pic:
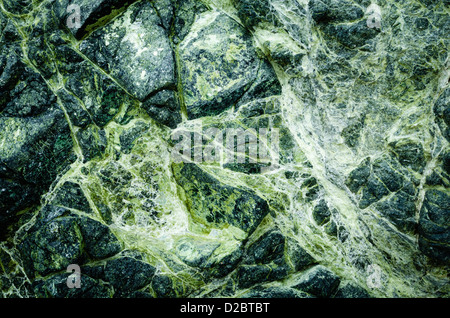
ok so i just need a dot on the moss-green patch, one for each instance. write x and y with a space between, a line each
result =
216 205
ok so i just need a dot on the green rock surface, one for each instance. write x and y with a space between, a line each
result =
146 58
217 205
314 137
219 65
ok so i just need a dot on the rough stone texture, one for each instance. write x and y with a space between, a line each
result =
164 108
275 292
217 205
61 238
434 225
271 258
219 65
34 151
318 281
128 274
56 287
92 13
442 113
251 13
146 58
347 195
97 97
350 290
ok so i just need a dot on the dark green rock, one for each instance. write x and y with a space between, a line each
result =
52 246
352 133
225 265
311 188
163 287
442 112
8 32
30 97
249 275
446 162
92 14
215 75
350 290
373 191
99 241
286 58
422 23
321 213
269 247
265 85
267 259
434 179
248 168
216 204
85 119
56 287
334 11
88 89
141 64
342 233
14 197
433 228
186 12
400 209
318 281
298 256
59 238
35 150
94 271
164 108
410 155
352 35
70 195
92 141
253 13
275 292
331 228
11 69
73 106
383 170
105 212
358 177
127 274
39 53
128 137
259 107
43 146
438 204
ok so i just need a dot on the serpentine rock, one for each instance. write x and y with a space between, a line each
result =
224 148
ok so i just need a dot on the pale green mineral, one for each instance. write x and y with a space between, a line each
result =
225 148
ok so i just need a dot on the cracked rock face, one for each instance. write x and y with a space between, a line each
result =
225 148
146 59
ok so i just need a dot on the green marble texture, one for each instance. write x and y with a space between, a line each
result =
348 196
